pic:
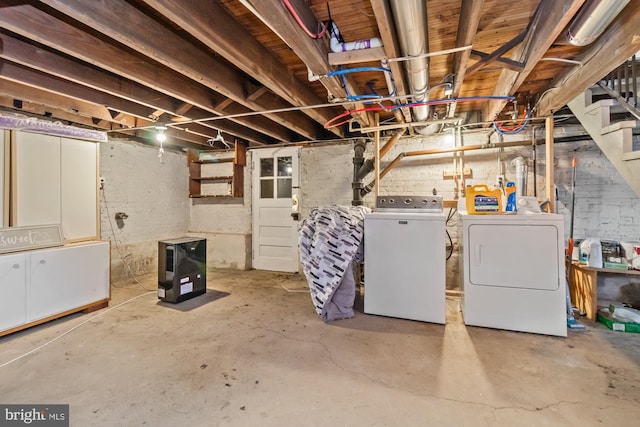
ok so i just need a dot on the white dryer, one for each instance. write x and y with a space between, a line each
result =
514 275
404 251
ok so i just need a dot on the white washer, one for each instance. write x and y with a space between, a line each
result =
404 268
514 276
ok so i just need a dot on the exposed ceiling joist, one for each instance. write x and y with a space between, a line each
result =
210 23
550 19
25 92
129 26
470 13
620 41
313 52
241 67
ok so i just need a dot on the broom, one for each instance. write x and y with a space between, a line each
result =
572 323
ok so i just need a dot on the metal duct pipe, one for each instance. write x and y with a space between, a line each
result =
521 176
411 21
594 17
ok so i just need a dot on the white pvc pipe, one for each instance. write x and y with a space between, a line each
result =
336 46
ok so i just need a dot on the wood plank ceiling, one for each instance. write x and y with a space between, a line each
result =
247 68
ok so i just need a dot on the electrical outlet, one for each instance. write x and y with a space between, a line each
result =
101 182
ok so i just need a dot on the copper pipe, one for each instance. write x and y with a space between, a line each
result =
400 156
391 142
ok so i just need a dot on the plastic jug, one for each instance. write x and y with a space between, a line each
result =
482 200
591 252
511 197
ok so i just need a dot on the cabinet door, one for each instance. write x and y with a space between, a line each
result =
66 278
13 308
4 139
79 188
37 186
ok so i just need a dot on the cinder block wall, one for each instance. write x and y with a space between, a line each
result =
152 192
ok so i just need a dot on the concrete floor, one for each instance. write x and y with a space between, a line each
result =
250 353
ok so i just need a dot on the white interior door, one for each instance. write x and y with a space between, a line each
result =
275 181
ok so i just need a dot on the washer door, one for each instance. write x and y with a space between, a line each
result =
514 256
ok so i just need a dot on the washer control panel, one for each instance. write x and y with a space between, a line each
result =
416 203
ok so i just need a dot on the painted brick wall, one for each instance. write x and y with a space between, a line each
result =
326 172
605 205
225 223
152 193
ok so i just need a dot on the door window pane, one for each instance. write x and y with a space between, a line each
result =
266 189
284 166
266 167
284 188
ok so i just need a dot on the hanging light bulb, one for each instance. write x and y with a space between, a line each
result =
160 135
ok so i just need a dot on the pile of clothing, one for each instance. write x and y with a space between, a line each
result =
330 240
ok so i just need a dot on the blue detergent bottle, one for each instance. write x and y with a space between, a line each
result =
511 197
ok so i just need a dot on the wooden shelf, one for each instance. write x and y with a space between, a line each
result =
583 286
214 161
211 196
212 178
236 180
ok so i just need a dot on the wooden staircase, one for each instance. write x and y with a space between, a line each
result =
615 138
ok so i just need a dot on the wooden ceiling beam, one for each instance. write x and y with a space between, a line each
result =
60 66
21 106
386 25
126 24
26 92
209 22
32 23
617 44
314 53
549 20
496 54
75 94
507 63
357 56
470 14
21 74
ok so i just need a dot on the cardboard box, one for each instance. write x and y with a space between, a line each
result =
617 325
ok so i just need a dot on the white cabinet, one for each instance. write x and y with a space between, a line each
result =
44 284
13 302
56 183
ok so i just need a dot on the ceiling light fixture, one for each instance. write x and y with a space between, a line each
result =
161 137
219 138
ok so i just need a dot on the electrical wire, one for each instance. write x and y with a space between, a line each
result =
357 70
452 212
371 96
295 15
331 123
502 129
115 240
72 329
